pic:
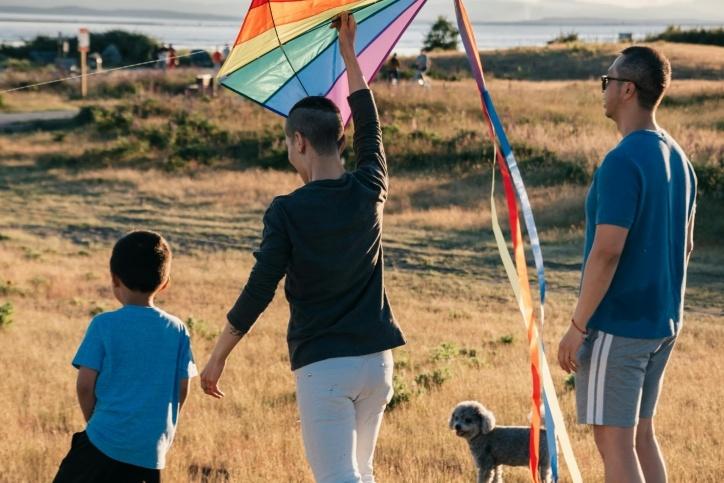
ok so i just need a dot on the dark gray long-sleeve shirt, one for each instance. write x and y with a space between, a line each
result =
326 238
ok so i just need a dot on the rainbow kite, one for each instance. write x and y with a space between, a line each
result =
286 49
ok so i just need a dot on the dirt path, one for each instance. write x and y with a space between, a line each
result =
19 120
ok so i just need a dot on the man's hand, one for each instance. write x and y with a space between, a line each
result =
347 28
568 349
210 377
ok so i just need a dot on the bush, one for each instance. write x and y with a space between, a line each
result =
562 38
431 380
569 383
96 310
710 180
444 352
6 314
673 33
401 394
199 328
506 339
442 36
8 288
133 47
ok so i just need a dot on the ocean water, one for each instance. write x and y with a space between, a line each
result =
207 34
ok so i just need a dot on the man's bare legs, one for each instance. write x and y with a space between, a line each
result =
649 453
618 451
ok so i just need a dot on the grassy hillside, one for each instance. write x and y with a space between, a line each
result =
202 170
579 61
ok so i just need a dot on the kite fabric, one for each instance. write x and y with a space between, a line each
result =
286 49
517 272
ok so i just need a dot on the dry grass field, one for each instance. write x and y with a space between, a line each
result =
58 221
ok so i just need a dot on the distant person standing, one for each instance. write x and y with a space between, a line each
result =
226 52
394 66
639 236
171 60
216 58
162 57
422 65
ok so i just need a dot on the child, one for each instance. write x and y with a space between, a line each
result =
134 366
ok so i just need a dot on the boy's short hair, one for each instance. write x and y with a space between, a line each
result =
141 260
317 119
651 71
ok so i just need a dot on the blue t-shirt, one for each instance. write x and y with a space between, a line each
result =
141 354
645 184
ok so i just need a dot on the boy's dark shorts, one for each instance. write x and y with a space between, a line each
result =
86 464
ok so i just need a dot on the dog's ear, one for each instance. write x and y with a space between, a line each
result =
488 421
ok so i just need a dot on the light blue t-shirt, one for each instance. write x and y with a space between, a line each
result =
645 184
141 354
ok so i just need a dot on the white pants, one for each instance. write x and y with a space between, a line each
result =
341 404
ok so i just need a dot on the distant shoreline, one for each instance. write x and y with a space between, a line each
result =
212 32
140 14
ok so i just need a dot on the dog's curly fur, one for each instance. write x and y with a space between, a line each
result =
496 446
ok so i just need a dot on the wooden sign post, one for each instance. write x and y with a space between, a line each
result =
83 48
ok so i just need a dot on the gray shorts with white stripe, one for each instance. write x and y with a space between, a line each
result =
619 379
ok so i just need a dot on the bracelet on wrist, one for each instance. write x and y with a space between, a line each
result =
573 322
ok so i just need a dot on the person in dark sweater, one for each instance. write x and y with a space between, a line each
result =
326 238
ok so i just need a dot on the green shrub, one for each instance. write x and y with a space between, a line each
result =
562 38
430 380
710 180
444 352
506 339
673 33
199 328
569 383
442 36
115 90
133 47
8 288
401 394
96 310
6 314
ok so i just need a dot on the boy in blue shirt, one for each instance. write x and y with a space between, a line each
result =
134 366
639 236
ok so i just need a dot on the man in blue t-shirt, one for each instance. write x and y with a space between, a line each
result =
639 235
134 366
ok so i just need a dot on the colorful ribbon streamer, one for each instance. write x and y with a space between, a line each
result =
517 272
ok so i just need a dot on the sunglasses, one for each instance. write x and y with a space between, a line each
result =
605 79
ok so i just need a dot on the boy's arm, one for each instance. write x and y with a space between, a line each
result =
367 130
86 389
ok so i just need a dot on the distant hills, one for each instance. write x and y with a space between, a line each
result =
701 12
132 13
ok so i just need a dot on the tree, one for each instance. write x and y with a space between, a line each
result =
442 36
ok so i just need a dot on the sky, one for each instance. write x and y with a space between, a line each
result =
480 10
